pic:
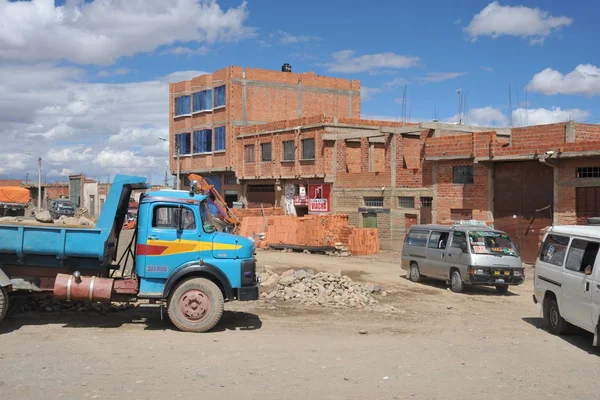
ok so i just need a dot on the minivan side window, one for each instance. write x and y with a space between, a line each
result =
554 249
581 255
438 240
417 238
459 240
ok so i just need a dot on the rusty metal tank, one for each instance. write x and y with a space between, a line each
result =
83 288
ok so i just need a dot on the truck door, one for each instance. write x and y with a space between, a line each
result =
171 239
577 285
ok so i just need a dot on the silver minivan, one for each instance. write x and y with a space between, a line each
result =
462 255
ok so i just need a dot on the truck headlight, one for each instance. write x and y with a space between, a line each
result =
517 272
479 271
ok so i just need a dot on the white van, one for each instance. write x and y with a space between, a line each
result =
567 279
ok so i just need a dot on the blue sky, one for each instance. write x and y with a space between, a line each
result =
88 91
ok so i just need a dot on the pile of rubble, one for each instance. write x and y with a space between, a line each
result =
82 212
321 289
49 304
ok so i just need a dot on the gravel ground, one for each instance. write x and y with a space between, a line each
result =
439 346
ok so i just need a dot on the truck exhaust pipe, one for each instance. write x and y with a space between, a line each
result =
83 288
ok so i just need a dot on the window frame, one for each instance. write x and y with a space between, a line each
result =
587 172
205 136
262 152
545 245
283 153
189 106
174 227
188 143
220 131
205 100
426 202
224 95
411 200
304 142
581 268
411 231
247 152
469 177
373 201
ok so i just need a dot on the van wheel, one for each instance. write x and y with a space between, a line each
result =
414 274
456 283
3 302
502 289
556 323
196 305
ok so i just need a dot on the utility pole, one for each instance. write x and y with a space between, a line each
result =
166 179
39 180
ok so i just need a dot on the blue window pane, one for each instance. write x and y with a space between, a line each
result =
220 138
219 96
203 141
182 105
202 100
183 141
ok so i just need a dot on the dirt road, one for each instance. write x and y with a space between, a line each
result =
439 346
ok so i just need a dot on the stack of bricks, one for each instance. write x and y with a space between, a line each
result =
241 213
316 231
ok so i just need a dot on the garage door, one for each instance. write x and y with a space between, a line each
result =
588 203
261 194
523 198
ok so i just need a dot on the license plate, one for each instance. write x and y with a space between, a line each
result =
500 280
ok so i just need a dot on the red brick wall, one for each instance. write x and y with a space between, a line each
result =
458 196
363 179
446 146
567 187
353 157
538 137
587 132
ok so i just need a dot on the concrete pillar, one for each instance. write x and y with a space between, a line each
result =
570 132
490 197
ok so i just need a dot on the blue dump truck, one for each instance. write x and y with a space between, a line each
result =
180 259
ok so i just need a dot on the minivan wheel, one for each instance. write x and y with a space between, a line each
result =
502 289
415 274
556 323
456 283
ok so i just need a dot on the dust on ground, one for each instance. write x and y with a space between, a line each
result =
441 345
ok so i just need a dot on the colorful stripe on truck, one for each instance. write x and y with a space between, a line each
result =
167 248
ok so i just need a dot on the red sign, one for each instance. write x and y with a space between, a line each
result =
318 198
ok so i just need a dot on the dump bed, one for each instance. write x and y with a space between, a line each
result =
49 245
14 195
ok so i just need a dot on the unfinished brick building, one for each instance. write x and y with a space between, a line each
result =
205 110
297 141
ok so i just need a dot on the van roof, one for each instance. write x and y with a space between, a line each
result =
453 227
577 230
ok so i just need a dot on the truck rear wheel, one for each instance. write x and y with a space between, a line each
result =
3 302
196 305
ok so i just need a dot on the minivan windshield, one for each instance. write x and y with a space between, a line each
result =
491 242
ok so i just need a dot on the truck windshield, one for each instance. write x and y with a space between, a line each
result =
207 217
490 242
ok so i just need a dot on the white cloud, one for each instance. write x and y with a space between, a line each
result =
179 76
101 31
396 82
496 20
286 38
345 61
441 76
487 69
118 71
584 80
184 50
539 116
366 93
494 117
78 126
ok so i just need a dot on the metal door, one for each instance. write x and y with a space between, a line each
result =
523 200
588 203
369 220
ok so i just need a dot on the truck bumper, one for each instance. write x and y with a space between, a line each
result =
248 293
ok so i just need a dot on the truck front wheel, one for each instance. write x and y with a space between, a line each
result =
196 305
3 302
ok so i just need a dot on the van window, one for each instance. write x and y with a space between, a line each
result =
459 239
581 254
438 240
492 242
417 238
554 249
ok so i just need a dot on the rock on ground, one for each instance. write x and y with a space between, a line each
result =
8 219
44 216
